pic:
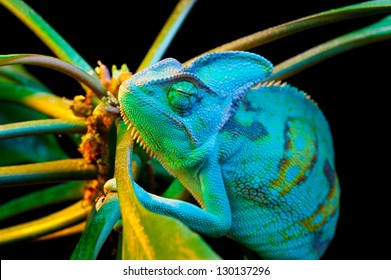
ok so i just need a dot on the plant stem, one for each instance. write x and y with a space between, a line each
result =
37 127
58 65
47 172
268 35
46 33
49 196
373 33
167 33
61 219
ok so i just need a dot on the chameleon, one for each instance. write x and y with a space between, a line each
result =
257 157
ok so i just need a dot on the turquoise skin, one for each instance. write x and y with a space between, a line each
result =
258 159
293 185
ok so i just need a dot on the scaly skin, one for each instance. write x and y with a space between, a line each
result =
259 160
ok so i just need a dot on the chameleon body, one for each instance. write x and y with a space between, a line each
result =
258 158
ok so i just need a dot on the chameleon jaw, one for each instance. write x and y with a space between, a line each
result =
136 134
139 140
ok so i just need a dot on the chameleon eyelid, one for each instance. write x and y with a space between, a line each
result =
183 92
190 77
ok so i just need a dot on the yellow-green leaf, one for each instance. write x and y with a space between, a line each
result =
280 31
36 148
378 31
56 194
148 235
98 229
53 222
58 65
46 33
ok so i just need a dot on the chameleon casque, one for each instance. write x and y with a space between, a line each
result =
258 158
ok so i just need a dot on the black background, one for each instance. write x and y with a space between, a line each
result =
351 89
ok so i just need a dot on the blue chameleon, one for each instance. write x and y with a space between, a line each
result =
258 158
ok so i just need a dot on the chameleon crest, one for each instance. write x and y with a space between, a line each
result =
258 158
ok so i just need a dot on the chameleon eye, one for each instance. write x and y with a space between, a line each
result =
182 95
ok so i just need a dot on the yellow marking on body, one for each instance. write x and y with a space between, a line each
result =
324 210
299 155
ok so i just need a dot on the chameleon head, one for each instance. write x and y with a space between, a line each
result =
176 111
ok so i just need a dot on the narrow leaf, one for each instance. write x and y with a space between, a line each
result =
47 172
381 30
58 65
58 220
26 149
292 27
167 33
38 199
71 230
19 75
38 127
148 235
98 230
46 33
39 100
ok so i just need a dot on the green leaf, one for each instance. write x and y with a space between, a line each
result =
38 127
53 222
292 27
378 31
19 75
148 235
57 65
39 100
38 199
47 172
167 33
71 230
26 149
98 229
46 33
